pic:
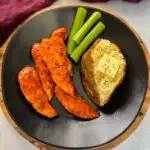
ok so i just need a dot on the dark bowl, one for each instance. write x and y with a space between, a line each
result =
67 131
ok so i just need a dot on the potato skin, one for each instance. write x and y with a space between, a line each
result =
88 81
87 76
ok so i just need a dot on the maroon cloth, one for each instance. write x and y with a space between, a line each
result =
12 12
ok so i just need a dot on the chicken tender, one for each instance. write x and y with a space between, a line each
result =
75 105
44 75
32 89
53 53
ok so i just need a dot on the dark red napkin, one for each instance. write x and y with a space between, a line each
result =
12 12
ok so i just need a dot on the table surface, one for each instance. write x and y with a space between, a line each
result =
138 15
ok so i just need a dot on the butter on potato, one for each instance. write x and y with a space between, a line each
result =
108 65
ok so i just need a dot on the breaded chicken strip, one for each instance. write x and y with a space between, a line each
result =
53 53
32 89
75 105
44 75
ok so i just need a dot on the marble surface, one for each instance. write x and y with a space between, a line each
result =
138 15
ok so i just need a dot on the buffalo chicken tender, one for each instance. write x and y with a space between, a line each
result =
54 55
44 75
76 105
32 89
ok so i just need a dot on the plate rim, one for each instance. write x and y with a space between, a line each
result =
107 11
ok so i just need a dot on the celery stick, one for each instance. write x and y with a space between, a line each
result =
78 37
78 22
94 33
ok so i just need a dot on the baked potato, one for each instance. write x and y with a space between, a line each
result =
103 69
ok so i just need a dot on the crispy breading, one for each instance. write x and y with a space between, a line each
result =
60 33
44 75
75 105
32 89
53 53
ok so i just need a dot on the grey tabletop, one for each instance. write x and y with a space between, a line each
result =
138 15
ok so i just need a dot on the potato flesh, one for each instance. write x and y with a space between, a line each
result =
108 65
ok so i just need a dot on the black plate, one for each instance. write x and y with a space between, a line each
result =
67 131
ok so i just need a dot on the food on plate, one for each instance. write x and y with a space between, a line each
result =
75 105
78 37
54 54
92 35
32 89
44 75
53 67
103 68
60 34
77 23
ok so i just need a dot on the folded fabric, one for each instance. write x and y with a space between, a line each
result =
12 12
